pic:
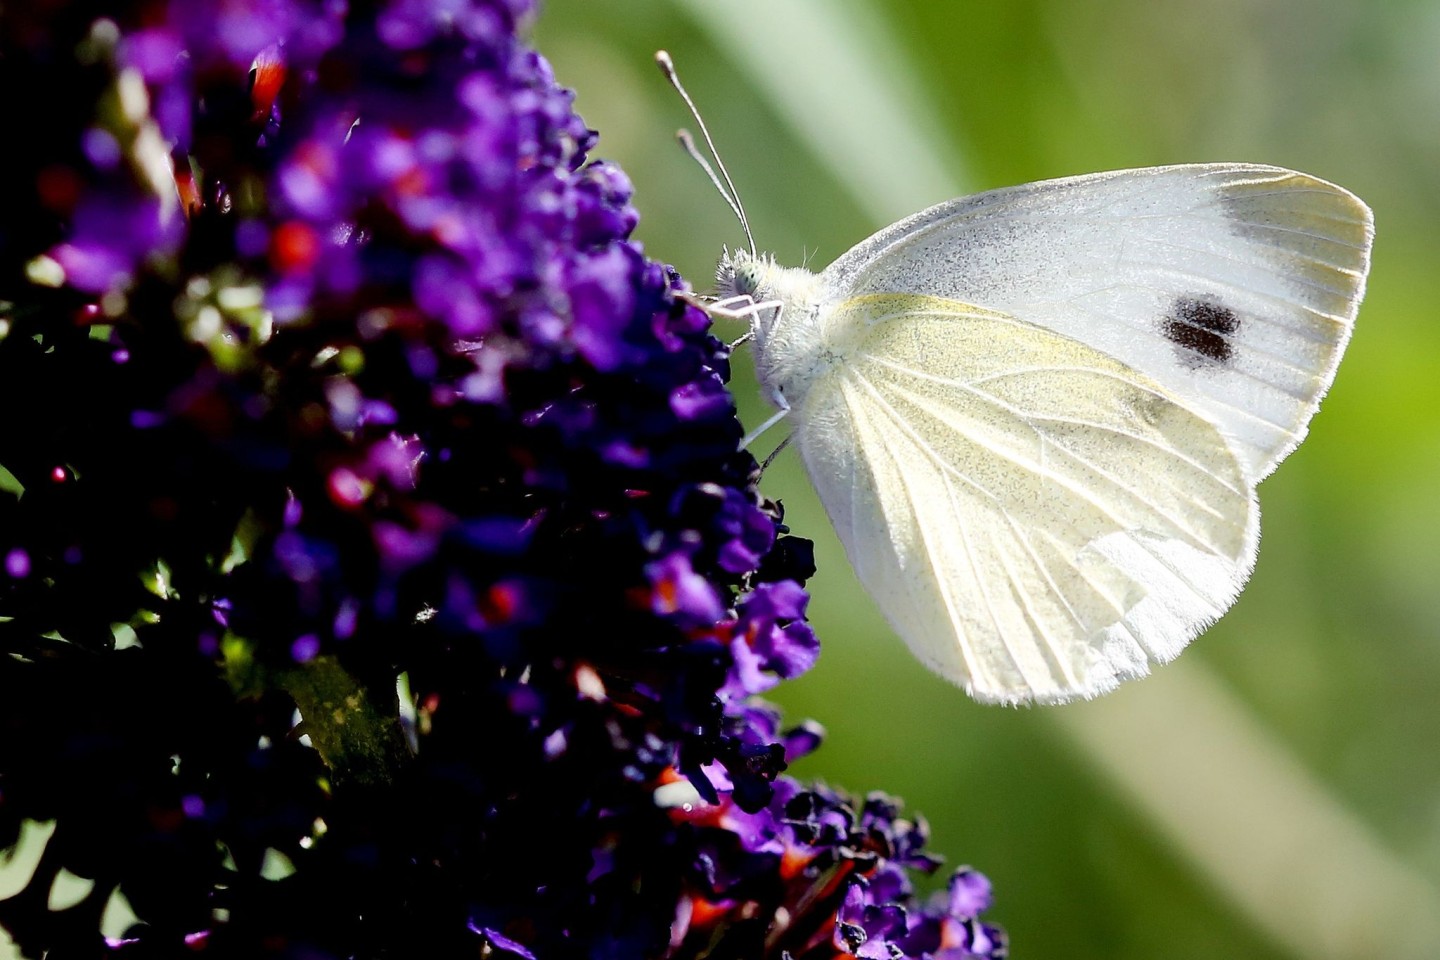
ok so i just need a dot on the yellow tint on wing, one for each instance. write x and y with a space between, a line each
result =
1036 519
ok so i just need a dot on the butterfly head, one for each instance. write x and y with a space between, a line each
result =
742 274
766 284
783 304
747 283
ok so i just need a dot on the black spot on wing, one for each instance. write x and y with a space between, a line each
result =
1202 328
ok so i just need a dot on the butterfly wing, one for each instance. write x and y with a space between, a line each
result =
1037 520
1232 285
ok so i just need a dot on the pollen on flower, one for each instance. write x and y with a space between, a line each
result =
267 76
294 247
501 602
588 682
347 488
704 914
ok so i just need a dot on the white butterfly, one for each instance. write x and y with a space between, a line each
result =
1037 416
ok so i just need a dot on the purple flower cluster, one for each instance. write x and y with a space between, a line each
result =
381 576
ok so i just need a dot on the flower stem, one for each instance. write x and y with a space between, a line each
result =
353 726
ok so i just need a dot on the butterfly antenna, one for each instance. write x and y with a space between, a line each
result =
687 142
732 197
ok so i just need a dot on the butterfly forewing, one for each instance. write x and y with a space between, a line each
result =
1036 519
1233 285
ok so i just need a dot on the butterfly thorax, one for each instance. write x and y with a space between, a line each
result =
788 302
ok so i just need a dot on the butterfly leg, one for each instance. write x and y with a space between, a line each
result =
725 304
705 301
765 464
739 307
779 415
748 311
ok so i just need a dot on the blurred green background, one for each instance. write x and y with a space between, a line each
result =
1275 793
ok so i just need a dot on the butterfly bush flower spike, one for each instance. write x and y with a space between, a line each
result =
381 575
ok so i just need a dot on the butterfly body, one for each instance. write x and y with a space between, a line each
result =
791 349
1037 416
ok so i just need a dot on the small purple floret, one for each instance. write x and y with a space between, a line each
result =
17 563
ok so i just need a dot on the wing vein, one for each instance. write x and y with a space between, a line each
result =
967 651
1195 536
971 387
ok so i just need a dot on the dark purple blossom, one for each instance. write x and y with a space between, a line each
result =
868 929
772 641
381 575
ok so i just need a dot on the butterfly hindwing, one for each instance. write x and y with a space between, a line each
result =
1233 285
1036 519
